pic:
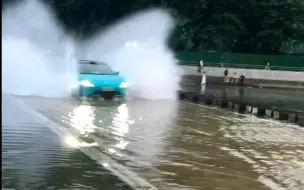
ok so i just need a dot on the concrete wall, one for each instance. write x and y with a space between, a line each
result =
248 73
281 62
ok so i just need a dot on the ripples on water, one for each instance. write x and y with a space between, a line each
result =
183 146
33 157
275 150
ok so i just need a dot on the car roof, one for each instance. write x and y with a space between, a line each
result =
91 62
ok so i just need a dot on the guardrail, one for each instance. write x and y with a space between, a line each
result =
241 66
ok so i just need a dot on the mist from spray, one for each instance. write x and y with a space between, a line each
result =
136 46
37 57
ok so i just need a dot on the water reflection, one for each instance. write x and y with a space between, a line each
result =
133 130
33 157
82 119
282 99
177 145
203 89
72 141
107 130
193 159
275 151
154 122
120 123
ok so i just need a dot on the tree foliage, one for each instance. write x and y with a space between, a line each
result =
243 26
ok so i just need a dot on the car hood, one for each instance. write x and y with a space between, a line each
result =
102 80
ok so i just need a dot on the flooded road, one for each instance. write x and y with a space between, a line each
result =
177 145
35 158
282 99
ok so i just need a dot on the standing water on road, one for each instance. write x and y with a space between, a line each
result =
39 59
176 145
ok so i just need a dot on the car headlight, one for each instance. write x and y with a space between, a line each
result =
123 85
86 83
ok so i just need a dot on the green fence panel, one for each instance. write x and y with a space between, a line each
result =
213 57
283 61
252 59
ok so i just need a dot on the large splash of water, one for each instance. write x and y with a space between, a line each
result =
137 47
39 59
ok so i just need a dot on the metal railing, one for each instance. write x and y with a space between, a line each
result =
242 66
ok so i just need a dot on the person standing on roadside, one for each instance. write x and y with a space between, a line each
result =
201 66
226 79
267 67
226 73
241 79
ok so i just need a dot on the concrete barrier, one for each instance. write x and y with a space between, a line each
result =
259 111
248 109
269 113
248 73
240 108
300 120
245 108
293 118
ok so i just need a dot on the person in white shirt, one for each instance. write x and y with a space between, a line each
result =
202 64
200 67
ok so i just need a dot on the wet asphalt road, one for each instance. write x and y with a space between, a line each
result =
171 144
34 157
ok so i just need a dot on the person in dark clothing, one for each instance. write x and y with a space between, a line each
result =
226 79
242 79
226 73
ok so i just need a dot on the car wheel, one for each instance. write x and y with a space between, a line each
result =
95 98
74 93
108 97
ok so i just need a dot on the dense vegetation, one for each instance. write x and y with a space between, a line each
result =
243 26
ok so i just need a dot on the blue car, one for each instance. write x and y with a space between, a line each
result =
98 79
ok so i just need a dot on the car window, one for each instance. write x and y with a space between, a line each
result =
98 69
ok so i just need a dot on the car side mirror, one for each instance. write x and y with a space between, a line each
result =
116 73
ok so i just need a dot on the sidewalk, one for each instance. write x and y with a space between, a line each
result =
195 80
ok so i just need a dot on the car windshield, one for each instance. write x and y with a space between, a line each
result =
95 68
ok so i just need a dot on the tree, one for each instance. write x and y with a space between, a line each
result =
251 26
268 24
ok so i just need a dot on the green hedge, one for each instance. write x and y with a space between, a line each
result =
241 59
